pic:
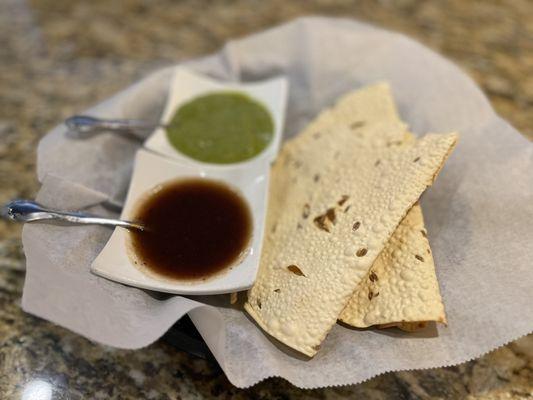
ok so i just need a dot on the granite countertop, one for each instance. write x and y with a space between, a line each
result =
60 56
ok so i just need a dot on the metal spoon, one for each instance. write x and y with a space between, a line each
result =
30 211
86 125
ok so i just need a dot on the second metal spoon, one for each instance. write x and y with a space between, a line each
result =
30 211
87 125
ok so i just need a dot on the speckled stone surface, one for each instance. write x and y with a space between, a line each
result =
60 56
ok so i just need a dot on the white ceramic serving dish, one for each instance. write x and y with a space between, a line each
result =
159 162
187 85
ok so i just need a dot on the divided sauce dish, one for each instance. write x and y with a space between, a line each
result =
160 164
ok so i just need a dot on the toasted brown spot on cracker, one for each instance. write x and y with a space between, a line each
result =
423 232
346 209
356 226
343 199
420 258
316 178
259 303
377 163
373 277
277 290
361 252
330 214
295 270
396 143
370 295
320 222
357 124
416 159
329 217
306 211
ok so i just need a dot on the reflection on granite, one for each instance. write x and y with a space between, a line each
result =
60 56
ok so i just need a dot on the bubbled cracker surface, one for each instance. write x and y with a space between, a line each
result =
357 110
321 186
401 286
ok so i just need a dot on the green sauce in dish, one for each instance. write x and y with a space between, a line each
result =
221 128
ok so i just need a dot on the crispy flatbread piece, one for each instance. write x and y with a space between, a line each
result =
401 288
385 297
336 198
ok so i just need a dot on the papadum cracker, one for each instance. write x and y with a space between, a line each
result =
401 288
313 256
371 105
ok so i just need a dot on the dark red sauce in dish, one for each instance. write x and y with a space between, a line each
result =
195 229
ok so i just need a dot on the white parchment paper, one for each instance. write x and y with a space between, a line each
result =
479 214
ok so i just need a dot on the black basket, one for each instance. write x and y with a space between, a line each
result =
184 336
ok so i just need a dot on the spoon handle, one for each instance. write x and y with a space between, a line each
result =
84 124
30 211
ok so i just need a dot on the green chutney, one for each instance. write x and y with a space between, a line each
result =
221 128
